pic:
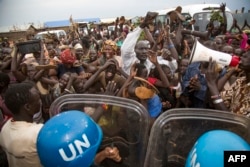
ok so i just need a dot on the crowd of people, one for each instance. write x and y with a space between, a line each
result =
142 63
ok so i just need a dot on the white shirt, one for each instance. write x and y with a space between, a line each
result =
18 140
173 65
128 51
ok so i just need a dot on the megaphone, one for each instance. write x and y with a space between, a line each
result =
202 53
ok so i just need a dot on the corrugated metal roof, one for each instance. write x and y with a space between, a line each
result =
22 27
64 23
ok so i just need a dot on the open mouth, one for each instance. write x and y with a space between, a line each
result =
144 57
109 74
108 56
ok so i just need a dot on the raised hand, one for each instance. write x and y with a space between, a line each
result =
223 7
167 31
152 56
110 89
108 62
211 74
133 70
194 84
113 153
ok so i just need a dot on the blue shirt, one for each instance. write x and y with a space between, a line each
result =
62 70
197 97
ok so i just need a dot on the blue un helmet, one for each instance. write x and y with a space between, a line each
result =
209 148
69 139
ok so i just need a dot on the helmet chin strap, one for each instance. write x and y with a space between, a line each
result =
37 117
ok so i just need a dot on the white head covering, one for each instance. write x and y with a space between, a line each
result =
29 59
78 46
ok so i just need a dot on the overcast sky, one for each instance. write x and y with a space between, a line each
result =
19 12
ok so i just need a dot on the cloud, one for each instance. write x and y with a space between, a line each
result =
25 11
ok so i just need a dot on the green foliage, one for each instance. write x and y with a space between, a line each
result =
215 16
137 22
142 36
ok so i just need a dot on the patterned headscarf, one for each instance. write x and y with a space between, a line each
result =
67 57
110 43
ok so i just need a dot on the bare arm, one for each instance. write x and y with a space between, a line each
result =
48 81
222 7
163 82
222 81
96 62
14 66
170 45
150 39
211 77
5 63
94 77
108 152
133 72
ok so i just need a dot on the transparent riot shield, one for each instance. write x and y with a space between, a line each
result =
124 122
175 131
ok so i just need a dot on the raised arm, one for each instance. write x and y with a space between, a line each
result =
212 77
223 10
14 65
168 43
94 77
163 82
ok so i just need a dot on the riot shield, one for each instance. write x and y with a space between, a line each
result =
125 124
175 132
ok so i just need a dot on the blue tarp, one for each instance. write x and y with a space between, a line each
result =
64 23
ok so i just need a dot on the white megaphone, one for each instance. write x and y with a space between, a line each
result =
202 53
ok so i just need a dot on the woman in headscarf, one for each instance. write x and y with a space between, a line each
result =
68 59
108 52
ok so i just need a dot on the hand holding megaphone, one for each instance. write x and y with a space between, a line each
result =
202 53
211 74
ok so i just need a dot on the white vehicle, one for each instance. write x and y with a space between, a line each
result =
59 34
201 13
